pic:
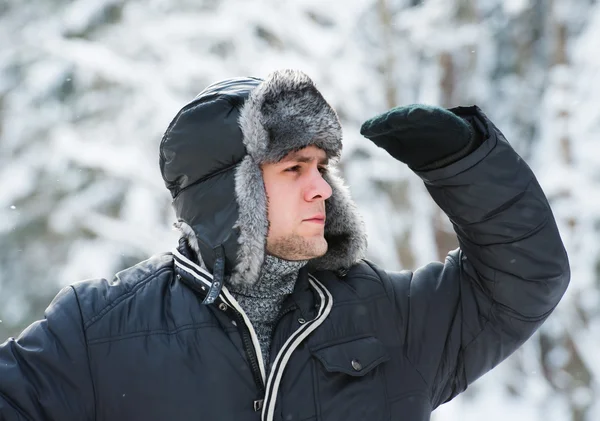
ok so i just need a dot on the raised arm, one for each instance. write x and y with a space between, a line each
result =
462 317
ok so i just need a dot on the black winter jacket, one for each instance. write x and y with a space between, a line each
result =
370 345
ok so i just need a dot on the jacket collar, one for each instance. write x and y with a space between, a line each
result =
194 275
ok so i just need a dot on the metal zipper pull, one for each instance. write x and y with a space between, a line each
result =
258 405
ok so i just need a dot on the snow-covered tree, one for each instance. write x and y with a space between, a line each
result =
87 88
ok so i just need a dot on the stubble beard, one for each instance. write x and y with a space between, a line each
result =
295 247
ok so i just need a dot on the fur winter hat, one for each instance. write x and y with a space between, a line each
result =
210 159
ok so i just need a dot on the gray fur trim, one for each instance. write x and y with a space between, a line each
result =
345 230
188 233
286 112
252 222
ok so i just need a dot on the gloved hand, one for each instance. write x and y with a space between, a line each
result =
424 137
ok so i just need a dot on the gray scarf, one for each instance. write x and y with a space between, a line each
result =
262 301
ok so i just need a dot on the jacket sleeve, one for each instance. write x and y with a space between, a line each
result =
44 373
461 318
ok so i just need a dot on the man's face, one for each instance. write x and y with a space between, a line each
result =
296 193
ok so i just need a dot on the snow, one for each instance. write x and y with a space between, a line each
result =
87 88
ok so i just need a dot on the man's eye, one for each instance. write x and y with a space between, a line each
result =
295 168
323 170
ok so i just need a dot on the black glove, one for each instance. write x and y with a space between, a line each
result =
424 137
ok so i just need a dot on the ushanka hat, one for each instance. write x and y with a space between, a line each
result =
210 158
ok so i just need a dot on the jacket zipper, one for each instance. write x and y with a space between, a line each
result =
249 348
290 345
250 351
205 279
287 310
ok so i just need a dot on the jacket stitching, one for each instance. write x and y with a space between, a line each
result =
496 305
312 417
487 316
540 318
205 178
343 340
87 350
15 407
505 206
316 391
150 333
406 394
122 297
460 364
370 278
393 304
364 300
345 369
511 240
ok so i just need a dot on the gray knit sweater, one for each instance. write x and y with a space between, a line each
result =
262 301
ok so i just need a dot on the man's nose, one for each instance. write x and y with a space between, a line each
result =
319 188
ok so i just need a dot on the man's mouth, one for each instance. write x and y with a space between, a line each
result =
317 219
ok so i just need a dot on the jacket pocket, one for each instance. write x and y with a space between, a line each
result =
350 380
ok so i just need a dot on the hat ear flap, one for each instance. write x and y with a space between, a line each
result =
252 223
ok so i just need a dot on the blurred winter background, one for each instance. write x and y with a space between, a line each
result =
88 86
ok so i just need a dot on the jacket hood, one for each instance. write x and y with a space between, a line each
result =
210 157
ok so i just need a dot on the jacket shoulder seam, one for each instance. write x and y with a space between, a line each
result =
454 374
175 331
116 301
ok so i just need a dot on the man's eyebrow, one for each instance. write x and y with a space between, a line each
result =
305 159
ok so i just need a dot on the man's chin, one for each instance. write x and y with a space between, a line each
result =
322 250
315 246
304 250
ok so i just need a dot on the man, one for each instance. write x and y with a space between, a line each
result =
267 309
